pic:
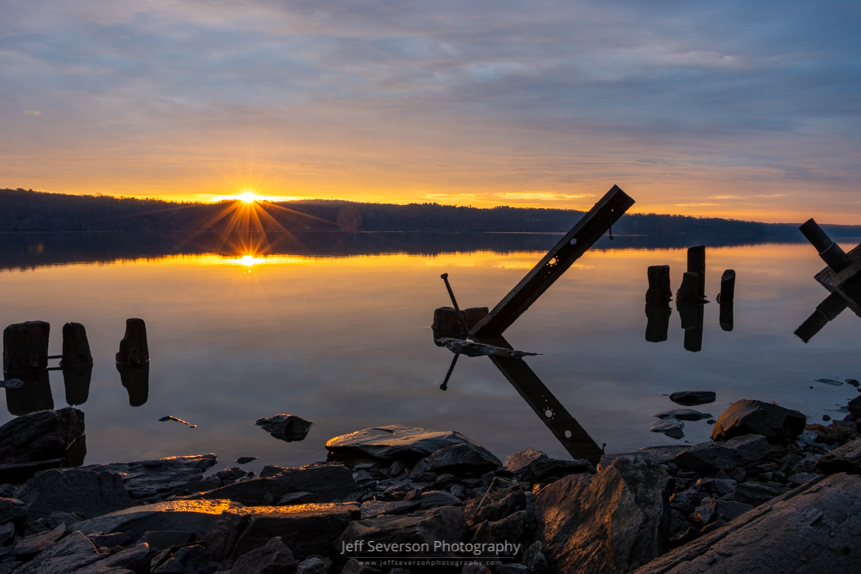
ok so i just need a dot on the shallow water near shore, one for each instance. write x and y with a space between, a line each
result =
345 341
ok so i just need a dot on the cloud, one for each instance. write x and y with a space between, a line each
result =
32 113
540 196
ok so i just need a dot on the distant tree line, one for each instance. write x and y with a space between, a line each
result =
28 211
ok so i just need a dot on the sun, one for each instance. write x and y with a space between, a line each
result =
248 197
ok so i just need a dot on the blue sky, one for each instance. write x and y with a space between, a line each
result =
740 109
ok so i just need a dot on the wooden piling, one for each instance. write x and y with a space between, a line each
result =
133 346
659 292
829 251
25 347
689 290
76 348
727 287
657 322
697 264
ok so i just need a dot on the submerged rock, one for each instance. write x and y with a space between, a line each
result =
757 417
670 426
684 415
692 398
288 428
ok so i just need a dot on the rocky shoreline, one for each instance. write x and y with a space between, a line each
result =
769 493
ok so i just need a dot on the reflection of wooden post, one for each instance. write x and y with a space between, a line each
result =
25 347
133 347
576 242
76 348
726 317
135 379
826 311
692 322
727 286
658 322
687 293
659 292
77 383
34 395
697 264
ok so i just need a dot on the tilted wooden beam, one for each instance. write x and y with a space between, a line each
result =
575 243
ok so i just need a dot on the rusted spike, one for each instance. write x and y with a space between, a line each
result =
576 242
460 318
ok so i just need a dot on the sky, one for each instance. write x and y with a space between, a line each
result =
747 110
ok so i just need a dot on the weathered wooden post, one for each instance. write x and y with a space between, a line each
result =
76 348
727 286
697 264
659 292
133 346
830 252
135 378
658 322
561 256
25 347
689 290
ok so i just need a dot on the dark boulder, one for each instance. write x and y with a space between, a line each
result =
12 510
273 558
692 398
85 492
150 480
756 493
757 417
396 441
40 440
328 481
846 458
613 521
288 428
69 554
461 457
723 455
494 506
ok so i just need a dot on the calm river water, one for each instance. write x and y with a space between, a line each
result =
346 342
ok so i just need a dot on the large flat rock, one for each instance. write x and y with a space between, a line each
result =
398 441
613 521
328 481
85 492
40 440
814 528
159 477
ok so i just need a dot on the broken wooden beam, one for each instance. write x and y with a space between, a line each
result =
571 247
830 252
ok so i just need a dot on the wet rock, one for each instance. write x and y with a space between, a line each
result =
434 498
73 552
724 455
273 558
547 469
307 530
512 528
284 427
756 493
445 524
373 508
846 458
534 559
613 521
159 540
662 454
298 498
520 462
135 559
159 478
186 559
749 416
693 398
684 415
12 510
40 440
670 426
396 442
814 527
197 516
245 459
328 481
837 433
36 543
84 492
801 478
461 457
495 506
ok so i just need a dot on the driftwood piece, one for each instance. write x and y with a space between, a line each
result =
659 292
25 347
76 348
133 347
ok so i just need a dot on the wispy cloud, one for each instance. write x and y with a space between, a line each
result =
540 196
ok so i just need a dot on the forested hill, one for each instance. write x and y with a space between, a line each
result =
23 210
